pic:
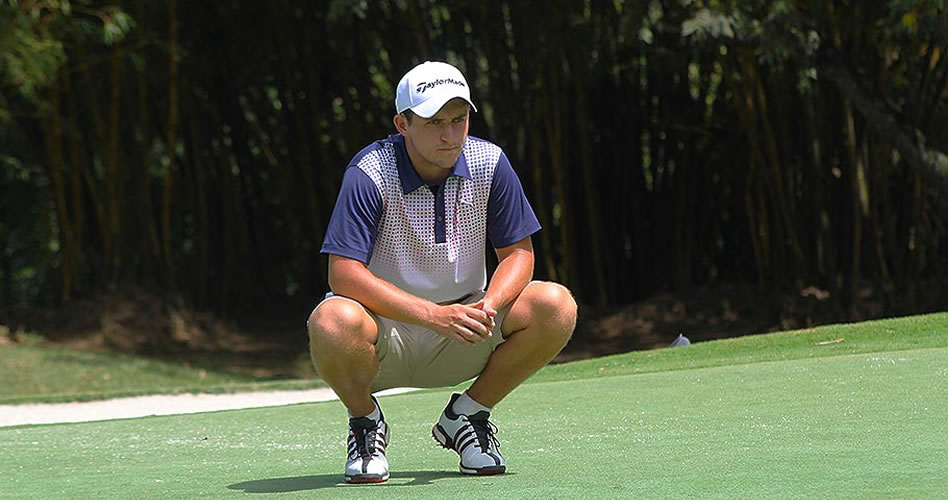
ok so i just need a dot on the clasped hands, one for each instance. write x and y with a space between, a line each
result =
467 324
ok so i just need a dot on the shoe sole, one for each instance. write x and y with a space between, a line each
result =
367 479
484 471
445 442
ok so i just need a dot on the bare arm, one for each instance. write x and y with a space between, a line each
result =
352 278
514 271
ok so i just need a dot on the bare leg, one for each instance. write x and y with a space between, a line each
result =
342 338
539 324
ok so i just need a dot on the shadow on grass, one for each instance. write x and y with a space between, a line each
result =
304 483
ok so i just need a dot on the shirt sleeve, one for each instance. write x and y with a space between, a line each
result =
355 218
510 217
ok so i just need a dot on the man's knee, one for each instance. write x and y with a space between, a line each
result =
553 304
340 320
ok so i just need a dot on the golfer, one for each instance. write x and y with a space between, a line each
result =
411 305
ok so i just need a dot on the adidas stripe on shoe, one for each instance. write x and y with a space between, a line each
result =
367 441
473 438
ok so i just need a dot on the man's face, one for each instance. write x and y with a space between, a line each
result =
437 141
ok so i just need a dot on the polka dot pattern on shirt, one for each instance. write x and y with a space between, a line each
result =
406 253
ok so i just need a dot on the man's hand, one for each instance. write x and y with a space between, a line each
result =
483 306
465 324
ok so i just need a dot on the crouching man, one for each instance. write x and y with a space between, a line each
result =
411 305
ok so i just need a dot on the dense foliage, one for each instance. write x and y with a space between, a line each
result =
197 147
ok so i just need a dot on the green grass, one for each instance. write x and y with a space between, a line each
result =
41 374
764 416
896 334
865 425
33 374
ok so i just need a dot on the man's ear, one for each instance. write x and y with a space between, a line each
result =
401 124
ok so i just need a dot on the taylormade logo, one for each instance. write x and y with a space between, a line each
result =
423 86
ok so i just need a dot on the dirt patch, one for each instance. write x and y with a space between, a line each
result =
139 322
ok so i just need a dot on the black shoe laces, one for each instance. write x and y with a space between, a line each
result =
484 429
366 436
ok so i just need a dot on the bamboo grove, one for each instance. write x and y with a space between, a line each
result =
197 147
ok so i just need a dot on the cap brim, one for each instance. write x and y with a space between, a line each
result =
433 104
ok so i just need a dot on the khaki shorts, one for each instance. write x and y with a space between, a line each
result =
414 356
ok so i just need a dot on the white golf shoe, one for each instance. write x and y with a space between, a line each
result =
367 442
472 437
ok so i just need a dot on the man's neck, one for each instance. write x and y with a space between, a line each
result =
432 174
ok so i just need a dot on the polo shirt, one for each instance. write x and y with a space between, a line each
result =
430 241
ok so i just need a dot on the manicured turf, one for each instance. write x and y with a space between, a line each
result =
34 374
845 425
896 334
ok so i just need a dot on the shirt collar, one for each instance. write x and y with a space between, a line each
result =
407 174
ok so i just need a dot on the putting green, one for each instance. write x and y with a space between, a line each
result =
864 425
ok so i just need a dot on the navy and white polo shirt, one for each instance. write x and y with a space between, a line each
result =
428 240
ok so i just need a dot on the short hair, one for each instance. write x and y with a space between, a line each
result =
408 114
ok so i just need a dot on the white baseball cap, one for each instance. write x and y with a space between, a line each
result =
429 86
